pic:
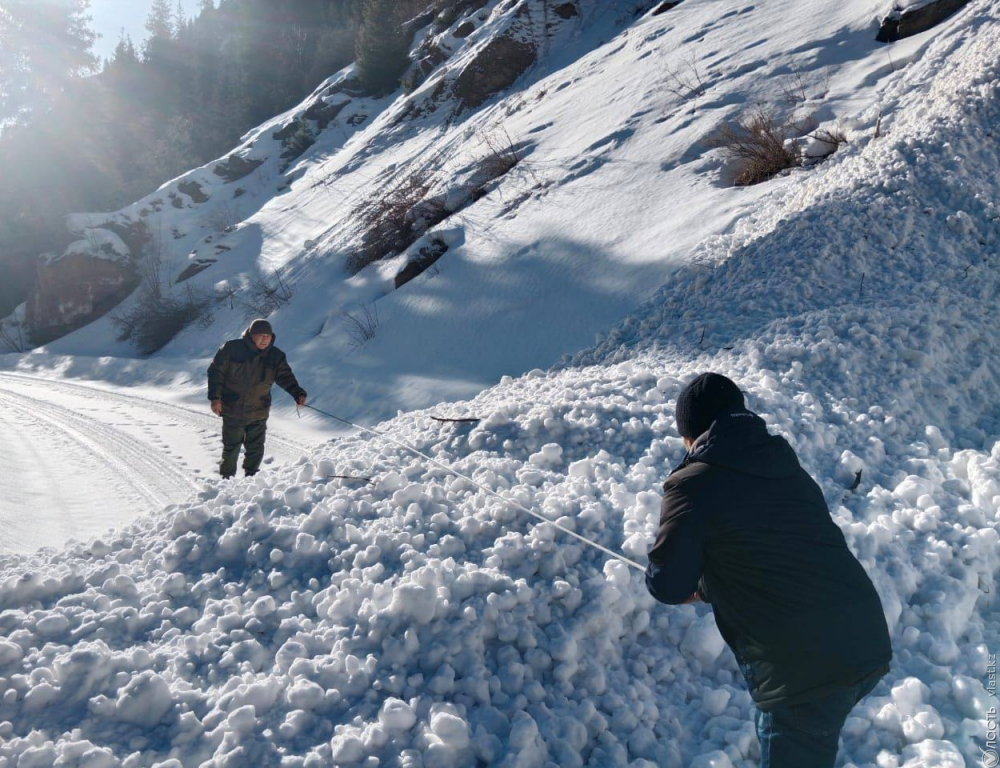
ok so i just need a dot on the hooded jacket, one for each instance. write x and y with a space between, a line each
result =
241 377
744 525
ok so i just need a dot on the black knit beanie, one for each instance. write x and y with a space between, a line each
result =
261 326
702 400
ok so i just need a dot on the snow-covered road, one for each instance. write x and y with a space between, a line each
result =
77 459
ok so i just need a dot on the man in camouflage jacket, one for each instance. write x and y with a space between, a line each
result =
239 388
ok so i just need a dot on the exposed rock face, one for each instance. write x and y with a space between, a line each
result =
135 234
73 291
322 113
421 262
664 7
193 190
566 10
235 167
422 67
899 24
496 67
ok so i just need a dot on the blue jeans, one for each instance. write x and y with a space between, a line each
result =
806 735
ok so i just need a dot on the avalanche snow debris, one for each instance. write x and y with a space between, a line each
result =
293 620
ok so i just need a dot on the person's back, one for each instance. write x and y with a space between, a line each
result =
746 528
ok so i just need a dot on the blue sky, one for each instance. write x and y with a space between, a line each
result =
111 16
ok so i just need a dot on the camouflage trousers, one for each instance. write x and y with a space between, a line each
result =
237 433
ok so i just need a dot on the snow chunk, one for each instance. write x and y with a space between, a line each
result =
933 753
702 640
548 457
714 759
347 749
145 700
451 729
397 715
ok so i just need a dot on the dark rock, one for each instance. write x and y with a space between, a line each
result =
566 10
193 269
287 130
350 86
323 113
73 291
135 234
235 167
464 29
420 69
296 144
175 201
664 7
193 190
420 264
899 24
497 66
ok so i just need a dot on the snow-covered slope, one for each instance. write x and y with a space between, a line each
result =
609 105
296 620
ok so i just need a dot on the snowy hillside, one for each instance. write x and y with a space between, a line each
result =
558 153
299 620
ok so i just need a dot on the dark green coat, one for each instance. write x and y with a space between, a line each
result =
242 375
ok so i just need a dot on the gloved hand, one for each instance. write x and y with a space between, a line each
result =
217 407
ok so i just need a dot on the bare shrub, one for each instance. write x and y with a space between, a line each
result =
685 82
834 137
501 154
265 295
12 337
793 89
362 326
761 144
395 218
153 319
223 217
158 314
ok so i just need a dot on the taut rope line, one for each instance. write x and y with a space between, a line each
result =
511 502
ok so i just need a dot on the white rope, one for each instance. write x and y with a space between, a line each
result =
511 502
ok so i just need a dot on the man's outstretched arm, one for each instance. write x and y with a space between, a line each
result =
676 560
285 379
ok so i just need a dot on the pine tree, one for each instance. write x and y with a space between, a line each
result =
381 48
159 23
43 48
180 19
125 57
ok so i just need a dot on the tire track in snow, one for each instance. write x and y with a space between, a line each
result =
291 445
126 456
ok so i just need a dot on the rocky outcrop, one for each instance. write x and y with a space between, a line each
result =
420 263
73 291
431 57
193 190
566 10
497 66
911 21
665 6
236 167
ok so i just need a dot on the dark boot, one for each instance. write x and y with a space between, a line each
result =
254 441
233 433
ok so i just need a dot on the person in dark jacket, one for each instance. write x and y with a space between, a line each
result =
239 388
744 527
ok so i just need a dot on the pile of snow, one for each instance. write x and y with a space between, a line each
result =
299 620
